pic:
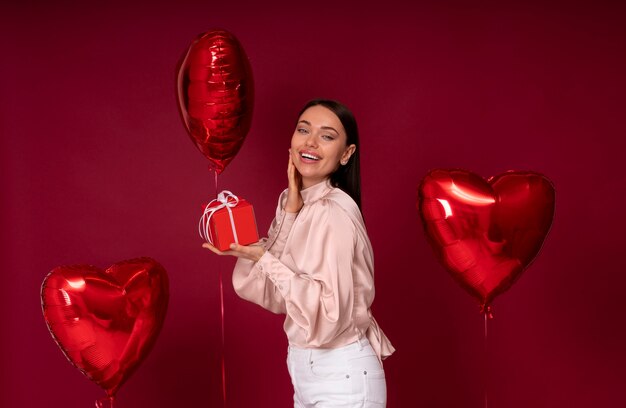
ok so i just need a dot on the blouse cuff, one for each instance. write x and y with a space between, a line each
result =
276 271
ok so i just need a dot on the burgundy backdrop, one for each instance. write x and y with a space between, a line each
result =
96 167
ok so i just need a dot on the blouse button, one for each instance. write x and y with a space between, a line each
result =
364 372
260 267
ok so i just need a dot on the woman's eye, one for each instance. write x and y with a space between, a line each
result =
328 137
302 130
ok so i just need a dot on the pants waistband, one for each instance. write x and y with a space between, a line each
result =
357 345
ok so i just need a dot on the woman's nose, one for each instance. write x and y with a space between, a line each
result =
311 141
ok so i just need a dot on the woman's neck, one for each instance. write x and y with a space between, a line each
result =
306 183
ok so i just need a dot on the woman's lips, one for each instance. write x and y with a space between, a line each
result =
307 157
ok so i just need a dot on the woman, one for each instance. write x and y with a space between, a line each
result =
316 266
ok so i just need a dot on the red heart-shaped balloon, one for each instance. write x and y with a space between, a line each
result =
486 232
106 322
215 93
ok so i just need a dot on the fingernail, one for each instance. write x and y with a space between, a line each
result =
232 246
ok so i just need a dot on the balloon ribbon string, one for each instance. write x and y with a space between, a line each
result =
486 357
223 363
216 190
223 341
487 311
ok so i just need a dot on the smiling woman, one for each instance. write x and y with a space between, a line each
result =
319 145
316 267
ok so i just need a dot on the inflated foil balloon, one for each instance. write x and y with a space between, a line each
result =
106 322
216 96
486 232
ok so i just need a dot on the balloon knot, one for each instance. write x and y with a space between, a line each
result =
100 403
487 310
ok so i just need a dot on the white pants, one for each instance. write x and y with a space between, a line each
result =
348 377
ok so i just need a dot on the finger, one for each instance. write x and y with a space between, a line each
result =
246 250
291 173
241 251
239 248
215 250
210 247
252 252
290 162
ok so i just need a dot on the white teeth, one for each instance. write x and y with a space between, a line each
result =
309 156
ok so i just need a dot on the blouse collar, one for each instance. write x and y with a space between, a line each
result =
316 191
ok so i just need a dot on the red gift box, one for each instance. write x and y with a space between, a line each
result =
228 219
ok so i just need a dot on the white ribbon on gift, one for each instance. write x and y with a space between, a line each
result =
227 200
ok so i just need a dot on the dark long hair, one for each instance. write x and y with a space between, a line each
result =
346 177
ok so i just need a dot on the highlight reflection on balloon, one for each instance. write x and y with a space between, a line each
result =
106 322
486 232
215 92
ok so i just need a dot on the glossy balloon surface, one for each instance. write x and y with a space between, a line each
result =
486 232
216 96
106 322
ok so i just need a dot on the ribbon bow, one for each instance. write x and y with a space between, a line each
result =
227 200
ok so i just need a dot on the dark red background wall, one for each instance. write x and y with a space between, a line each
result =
96 167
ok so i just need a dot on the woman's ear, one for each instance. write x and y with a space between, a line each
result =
347 153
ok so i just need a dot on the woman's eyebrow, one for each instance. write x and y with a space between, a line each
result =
306 122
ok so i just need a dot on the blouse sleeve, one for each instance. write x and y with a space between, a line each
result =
254 286
280 228
319 298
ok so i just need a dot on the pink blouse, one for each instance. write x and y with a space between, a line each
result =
318 269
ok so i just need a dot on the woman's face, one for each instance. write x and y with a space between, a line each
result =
318 145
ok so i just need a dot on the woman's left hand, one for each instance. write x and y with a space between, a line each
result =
252 252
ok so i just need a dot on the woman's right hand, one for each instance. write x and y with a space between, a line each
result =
294 198
253 252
